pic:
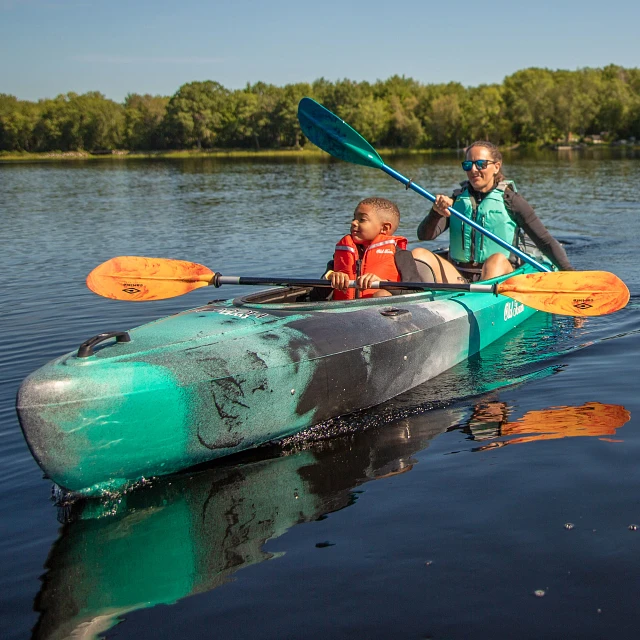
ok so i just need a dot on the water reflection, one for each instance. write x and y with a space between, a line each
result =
490 420
189 534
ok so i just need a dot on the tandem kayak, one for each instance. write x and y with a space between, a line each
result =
229 376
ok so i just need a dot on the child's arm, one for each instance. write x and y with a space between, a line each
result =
339 280
364 282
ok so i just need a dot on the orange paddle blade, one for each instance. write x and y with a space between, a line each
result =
569 293
140 279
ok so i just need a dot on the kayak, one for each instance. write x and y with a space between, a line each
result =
231 375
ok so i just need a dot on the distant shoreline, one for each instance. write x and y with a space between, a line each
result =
315 153
23 156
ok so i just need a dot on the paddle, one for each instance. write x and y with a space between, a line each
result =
333 135
573 293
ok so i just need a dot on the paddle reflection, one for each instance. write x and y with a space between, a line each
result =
490 420
190 533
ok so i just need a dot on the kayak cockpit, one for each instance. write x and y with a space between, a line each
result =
278 296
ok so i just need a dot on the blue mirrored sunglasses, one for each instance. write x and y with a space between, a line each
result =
480 164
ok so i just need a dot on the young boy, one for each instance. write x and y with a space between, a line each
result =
371 253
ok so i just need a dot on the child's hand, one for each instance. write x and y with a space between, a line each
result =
339 280
364 282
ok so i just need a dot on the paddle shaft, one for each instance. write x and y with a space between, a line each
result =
409 184
219 280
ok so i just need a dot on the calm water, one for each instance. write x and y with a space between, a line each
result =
421 518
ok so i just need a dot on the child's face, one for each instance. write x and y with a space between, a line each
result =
365 225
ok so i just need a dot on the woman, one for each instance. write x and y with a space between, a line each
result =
490 200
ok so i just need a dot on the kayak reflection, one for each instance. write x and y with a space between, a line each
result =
490 420
190 533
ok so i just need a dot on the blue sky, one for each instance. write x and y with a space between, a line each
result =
48 47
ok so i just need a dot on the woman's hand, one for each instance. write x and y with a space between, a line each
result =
364 282
441 204
339 280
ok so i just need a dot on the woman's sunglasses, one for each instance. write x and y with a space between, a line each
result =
480 164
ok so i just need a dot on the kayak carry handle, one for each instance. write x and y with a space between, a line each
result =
86 348
393 312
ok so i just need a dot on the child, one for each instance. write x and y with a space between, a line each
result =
371 253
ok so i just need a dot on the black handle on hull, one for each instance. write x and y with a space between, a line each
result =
86 348
394 312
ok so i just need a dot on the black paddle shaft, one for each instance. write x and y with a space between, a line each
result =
218 280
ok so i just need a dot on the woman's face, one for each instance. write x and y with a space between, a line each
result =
482 180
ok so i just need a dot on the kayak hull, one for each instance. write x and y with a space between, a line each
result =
232 375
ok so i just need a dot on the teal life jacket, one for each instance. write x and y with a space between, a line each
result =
468 245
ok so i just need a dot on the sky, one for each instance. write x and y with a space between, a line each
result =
49 47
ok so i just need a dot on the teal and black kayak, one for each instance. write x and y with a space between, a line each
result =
231 375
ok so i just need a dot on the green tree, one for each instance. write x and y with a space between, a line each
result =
575 101
440 111
263 121
143 119
405 128
371 118
484 115
58 128
102 121
74 122
617 103
17 121
287 113
197 113
528 96
244 127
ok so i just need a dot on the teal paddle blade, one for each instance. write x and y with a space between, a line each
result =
335 136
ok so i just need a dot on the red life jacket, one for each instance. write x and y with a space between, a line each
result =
378 258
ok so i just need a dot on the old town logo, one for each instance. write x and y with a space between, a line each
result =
513 309
238 313
131 288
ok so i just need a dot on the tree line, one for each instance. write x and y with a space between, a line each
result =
532 106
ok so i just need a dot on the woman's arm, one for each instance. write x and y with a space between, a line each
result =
432 226
526 218
437 220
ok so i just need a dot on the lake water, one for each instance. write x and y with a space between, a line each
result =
498 500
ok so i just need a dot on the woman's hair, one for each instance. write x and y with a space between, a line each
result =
494 154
